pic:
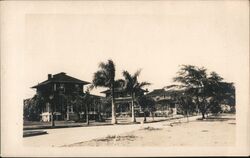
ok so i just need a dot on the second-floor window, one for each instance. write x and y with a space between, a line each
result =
54 87
77 87
62 87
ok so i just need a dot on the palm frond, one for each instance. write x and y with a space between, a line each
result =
143 84
106 75
128 81
127 75
119 83
137 73
99 79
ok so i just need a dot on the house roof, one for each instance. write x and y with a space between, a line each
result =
115 90
158 92
119 90
168 90
61 78
175 88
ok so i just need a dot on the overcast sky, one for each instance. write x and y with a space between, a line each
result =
157 40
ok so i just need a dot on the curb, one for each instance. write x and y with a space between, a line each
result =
33 133
107 124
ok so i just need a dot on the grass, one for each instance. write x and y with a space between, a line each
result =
108 140
117 138
151 128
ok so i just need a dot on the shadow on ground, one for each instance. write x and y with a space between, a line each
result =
213 118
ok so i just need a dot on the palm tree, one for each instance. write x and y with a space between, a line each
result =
105 77
133 87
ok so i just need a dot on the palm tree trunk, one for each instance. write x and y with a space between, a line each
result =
113 121
133 109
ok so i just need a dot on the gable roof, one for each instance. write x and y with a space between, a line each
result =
165 91
115 90
61 78
158 92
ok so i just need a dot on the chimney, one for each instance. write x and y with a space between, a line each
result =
49 76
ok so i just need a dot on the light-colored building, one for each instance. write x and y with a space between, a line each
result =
164 105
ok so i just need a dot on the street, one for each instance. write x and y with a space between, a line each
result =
66 136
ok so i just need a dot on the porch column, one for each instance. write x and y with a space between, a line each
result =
67 113
49 112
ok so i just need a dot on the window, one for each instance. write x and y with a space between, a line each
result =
54 87
62 87
71 109
76 85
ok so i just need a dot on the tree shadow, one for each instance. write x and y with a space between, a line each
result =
215 118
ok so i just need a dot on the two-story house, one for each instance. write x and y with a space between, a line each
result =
123 101
55 92
164 104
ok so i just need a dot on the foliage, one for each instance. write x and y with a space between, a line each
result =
105 77
185 101
106 106
32 108
133 87
206 91
147 104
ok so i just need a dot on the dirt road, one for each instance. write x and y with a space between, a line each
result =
216 131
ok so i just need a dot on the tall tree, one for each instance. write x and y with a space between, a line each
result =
105 77
207 91
33 108
133 87
218 92
194 79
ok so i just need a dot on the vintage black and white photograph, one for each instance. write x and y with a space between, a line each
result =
128 75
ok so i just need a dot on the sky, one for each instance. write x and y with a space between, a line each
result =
157 40
48 37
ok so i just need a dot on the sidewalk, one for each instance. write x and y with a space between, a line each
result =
65 124
59 137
